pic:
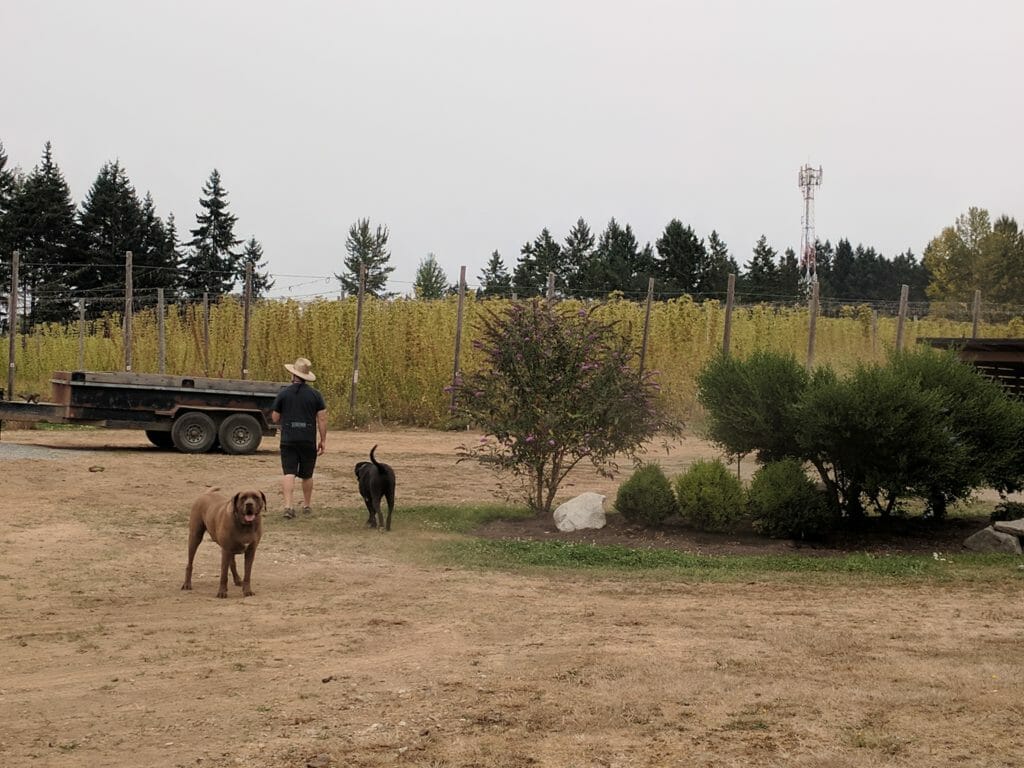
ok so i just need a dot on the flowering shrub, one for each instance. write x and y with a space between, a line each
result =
556 387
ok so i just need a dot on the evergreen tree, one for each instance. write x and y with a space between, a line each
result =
111 222
261 282
367 248
841 274
618 263
762 276
578 248
173 259
906 270
213 264
721 264
682 259
40 224
8 184
789 274
431 281
538 259
495 280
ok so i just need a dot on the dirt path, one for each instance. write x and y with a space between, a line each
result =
357 652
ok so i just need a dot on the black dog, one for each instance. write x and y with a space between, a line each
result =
376 480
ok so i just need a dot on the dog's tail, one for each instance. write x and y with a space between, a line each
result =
374 460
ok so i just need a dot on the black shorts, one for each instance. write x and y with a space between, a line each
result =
298 459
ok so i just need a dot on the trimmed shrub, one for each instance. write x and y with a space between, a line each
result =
710 497
646 497
784 503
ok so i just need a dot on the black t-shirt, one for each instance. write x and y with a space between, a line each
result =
298 405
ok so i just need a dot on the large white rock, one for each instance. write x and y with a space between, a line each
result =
585 511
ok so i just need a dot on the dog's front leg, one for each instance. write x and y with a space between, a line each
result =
227 560
250 555
234 572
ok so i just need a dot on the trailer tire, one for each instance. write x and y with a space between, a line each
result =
160 438
194 432
240 433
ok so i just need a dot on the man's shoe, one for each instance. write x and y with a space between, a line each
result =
289 513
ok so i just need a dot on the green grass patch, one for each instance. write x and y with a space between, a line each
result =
519 555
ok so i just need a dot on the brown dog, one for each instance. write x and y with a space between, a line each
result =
236 524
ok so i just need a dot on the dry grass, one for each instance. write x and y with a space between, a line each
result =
356 648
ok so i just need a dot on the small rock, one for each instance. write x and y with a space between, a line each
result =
320 761
96 468
327 679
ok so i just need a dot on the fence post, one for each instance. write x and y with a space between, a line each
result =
206 333
128 302
81 335
647 322
161 339
812 329
874 333
358 338
246 301
730 298
551 286
458 329
901 320
976 314
12 324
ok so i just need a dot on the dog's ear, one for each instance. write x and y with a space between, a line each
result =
264 497
234 500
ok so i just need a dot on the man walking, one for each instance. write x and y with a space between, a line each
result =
302 414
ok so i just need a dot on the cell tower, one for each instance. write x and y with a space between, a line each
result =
809 178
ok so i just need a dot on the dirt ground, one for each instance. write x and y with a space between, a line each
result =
357 651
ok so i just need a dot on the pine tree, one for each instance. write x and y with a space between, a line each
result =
577 251
841 274
111 222
173 259
213 264
431 281
720 264
762 275
789 274
8 185
41 226
261 282
682 259
368 249
539 259
618 263
495 279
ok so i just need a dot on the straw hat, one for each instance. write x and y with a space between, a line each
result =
301 368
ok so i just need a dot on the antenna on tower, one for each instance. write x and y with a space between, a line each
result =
808 179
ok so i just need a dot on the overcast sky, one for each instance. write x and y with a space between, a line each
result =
466 127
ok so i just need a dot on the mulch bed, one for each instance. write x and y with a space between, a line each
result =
892 536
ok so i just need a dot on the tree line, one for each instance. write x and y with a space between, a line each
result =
72 252
69 252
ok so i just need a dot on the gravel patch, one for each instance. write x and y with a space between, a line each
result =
9 451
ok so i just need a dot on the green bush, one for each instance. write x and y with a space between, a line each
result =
784 503
710 497
752 403
646 497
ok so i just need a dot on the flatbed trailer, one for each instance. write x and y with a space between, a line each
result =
191 413
1001 360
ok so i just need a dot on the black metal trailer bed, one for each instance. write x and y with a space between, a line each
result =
190 413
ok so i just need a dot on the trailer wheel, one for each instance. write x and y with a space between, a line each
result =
193 432
160 438
240 433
